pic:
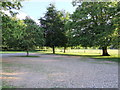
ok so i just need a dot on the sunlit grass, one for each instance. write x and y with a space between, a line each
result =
5 52
90 53
87 52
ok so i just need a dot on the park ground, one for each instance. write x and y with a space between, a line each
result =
78 69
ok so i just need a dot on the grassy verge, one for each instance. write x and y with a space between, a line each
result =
7 52
95 54
90 53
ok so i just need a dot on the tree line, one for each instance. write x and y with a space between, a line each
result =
92 24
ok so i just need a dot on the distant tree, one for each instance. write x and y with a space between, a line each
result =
65 17
93 24
12 29
53 28
18 34
6 5
32 36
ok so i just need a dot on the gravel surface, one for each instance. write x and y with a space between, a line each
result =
57 71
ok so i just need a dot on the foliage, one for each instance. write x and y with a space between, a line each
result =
66 19
19 34
93 23
32 35
12 29
8 6
116 35
53 26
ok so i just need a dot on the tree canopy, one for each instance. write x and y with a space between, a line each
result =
53 26
8 6
21 34
32 36
12 29
93 24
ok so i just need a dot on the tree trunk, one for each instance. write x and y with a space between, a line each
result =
53 49
64 49
27 53
85 49
105 53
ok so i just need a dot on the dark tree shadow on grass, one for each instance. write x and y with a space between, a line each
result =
96 57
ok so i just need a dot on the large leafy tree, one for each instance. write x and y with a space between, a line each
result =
12 29
65 17
116 35
23 35
6 5
19 34
53 27
93 24
32 36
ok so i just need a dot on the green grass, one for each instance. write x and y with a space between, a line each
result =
6 52
90 53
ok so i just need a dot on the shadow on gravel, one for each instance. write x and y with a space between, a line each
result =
24 56
108 59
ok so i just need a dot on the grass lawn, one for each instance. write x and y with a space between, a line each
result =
90 53
5 52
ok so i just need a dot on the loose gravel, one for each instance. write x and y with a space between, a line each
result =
57 71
